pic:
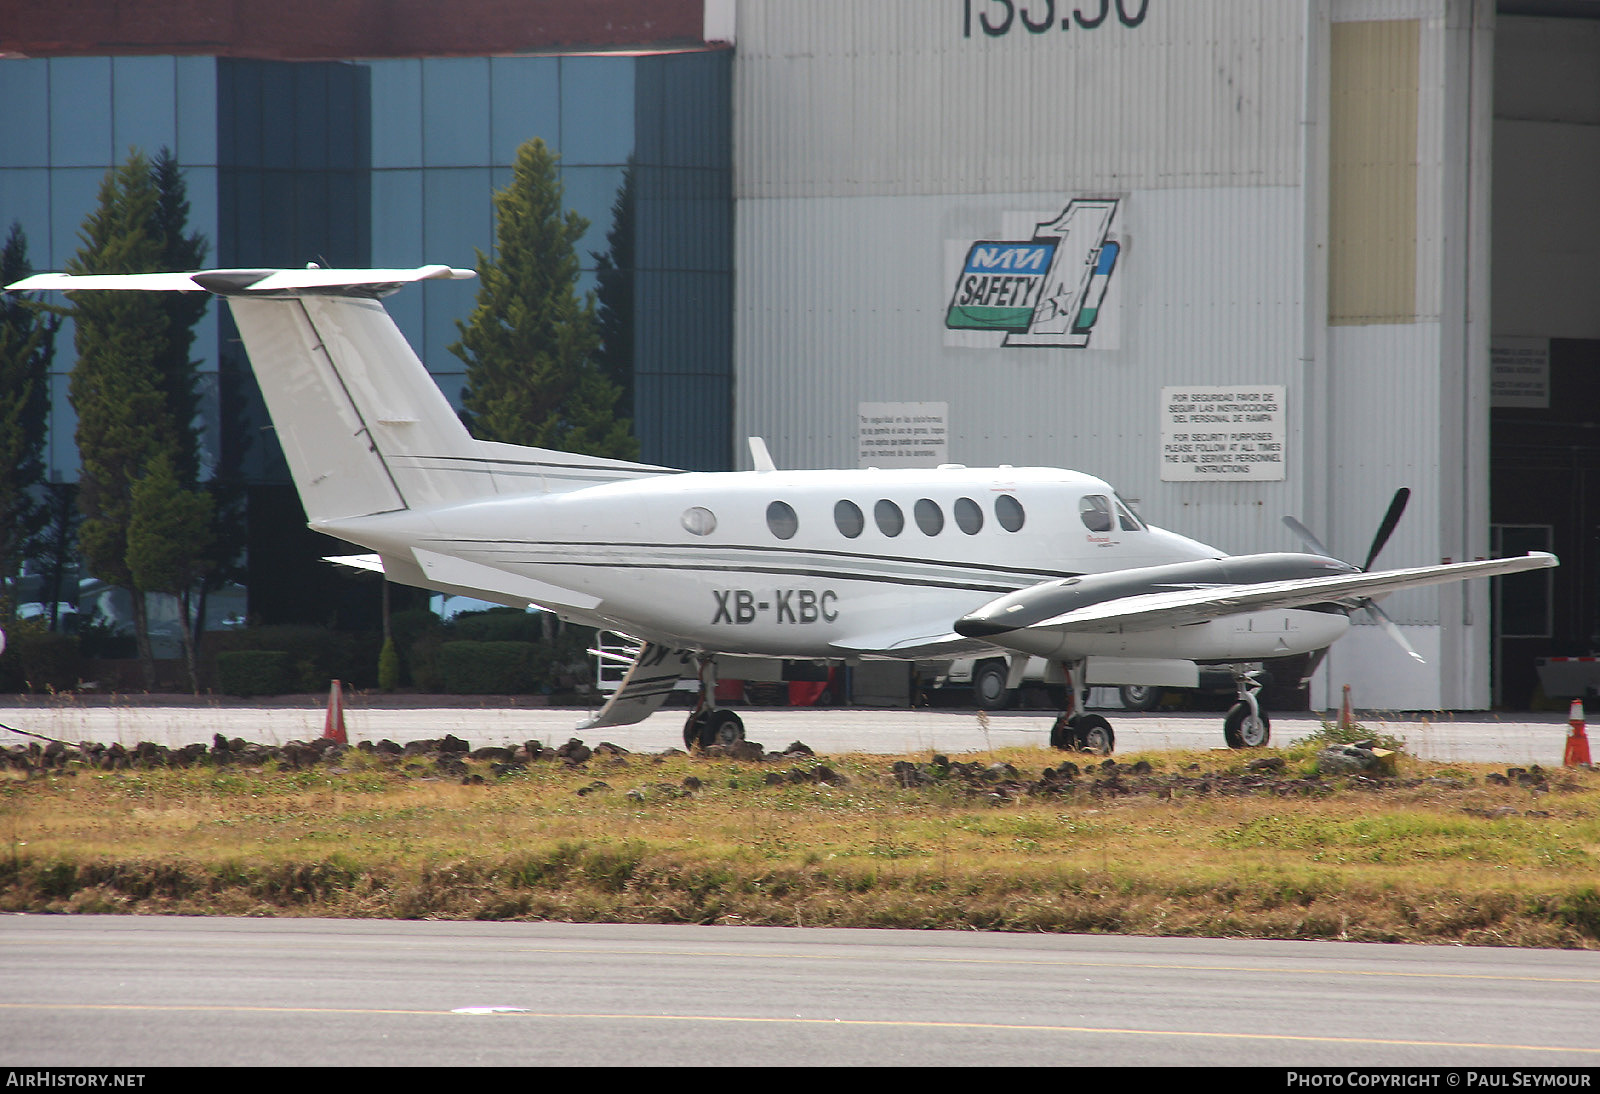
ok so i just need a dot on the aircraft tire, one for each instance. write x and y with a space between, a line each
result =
989 689
1242 730
720 727
691 729
1093 733
1141 697
1061 735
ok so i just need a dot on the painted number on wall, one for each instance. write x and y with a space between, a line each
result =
996 18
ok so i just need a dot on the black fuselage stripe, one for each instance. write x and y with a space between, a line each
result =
826 575
1023 573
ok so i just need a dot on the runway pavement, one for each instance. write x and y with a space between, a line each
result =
132 992
1468 736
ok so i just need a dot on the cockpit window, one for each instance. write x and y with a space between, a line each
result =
1125 516
1095 512
781 520
1008 511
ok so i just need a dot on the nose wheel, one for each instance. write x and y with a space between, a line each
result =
1247 725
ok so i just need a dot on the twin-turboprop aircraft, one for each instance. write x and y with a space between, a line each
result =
831 566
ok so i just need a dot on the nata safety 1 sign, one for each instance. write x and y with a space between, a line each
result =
1055 286
1222 434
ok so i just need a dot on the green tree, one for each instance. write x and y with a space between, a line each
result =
531 345
169 530
133 385
27 345
614 278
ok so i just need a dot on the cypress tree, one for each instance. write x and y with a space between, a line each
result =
531 345
133 385
27 345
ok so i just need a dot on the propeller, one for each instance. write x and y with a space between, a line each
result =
1386 527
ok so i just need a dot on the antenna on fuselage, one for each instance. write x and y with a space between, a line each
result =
759 455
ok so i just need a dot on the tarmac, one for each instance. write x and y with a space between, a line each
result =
1466 736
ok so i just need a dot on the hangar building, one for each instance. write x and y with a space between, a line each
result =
1242 258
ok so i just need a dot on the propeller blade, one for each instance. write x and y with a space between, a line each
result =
1381 617
1386 529
1306 537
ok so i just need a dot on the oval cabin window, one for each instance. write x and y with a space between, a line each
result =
781 520
1008 511
847 517
891 521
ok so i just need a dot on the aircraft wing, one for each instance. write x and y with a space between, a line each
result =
1176 608
932 643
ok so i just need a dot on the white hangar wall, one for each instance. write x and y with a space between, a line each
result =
875 144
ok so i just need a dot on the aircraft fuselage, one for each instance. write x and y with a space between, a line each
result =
804 564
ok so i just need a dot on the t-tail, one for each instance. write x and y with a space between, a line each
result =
363 426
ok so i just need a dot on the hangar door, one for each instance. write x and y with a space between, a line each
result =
1545 333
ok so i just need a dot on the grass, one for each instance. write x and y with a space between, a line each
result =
1200 846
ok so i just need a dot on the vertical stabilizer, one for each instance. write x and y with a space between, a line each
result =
363 426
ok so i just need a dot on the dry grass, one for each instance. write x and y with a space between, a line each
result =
1436 854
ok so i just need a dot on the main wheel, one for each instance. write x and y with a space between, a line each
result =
1141 697
1061 733
989 689
1242 729
721 727
692 728
1093 733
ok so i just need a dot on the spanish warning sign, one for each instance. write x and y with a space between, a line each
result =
1222 434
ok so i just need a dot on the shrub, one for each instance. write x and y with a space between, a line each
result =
320 655
39 660
490 668
499 625
254 672
388 666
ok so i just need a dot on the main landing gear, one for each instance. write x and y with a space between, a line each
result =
1075 730
1246 726
709 724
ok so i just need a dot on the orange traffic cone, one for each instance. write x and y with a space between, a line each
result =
333 727
1577 740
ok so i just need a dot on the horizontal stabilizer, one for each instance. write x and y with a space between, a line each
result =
254 282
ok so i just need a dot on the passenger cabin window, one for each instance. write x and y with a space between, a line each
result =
700 520
781 520
1008 511
847 517
891 521
1095 512
969 516
930 518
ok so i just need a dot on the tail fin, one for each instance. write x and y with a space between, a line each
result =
362 424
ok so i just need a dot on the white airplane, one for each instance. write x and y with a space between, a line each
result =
830 565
